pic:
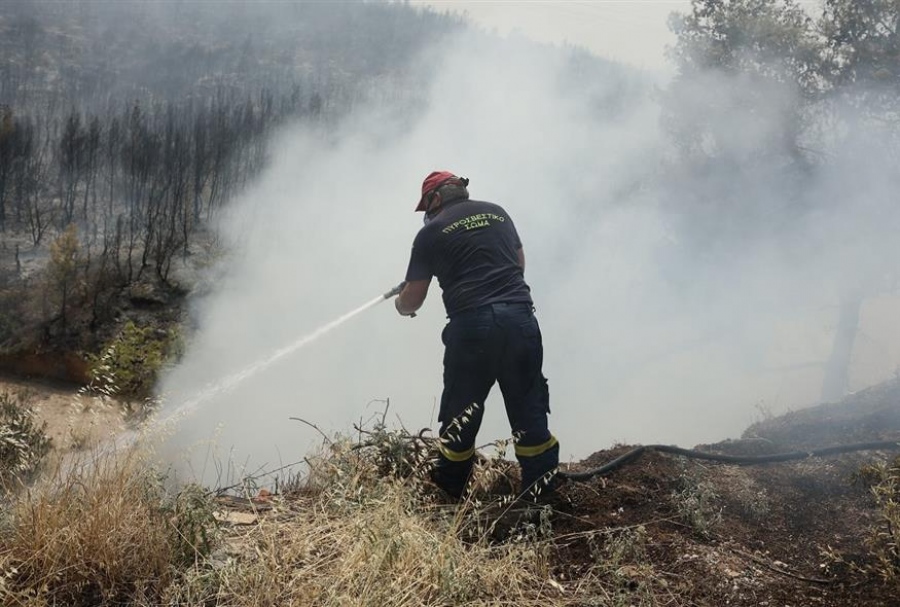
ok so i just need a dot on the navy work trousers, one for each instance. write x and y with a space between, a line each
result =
495 343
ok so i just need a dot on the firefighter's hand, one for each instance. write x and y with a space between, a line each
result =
411 297
400 310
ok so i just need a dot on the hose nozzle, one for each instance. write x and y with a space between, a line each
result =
395 291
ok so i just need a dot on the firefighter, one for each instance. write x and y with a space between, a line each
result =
492 335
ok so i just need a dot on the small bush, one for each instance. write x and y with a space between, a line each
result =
697 503
131 362
193 524
23 443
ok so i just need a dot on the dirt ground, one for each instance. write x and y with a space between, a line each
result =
75 419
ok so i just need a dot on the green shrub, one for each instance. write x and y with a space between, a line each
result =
193 524
132 360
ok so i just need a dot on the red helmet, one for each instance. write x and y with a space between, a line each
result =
434 180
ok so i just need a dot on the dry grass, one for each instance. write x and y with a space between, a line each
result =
356 531
356 537
100 531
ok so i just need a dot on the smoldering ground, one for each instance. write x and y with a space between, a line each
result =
651 333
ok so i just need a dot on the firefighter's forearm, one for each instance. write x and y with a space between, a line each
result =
411 297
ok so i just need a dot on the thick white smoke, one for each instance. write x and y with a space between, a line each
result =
639 346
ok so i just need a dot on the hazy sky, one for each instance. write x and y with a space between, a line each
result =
633 31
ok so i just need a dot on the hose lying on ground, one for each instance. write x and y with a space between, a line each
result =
738 460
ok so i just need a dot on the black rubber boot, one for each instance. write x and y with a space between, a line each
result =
452 477
539 479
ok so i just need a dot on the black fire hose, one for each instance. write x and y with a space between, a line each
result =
737 460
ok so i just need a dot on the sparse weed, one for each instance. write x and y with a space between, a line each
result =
883 480
697 503
79 437
619 547
396 453
752 500
764 411
493 475
623 568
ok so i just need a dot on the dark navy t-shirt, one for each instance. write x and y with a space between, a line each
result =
471 247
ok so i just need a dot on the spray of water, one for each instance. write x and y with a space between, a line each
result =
224 385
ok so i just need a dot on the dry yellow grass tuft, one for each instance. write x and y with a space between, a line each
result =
355 532
101 531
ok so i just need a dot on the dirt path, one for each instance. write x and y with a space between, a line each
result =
74 420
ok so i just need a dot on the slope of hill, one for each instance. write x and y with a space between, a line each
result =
363 527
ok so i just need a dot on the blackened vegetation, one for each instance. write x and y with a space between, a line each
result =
126 127
678 531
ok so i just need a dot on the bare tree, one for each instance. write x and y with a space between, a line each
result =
71 165
91 152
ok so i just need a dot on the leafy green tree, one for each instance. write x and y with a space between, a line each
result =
768 55
757 114
863 39
771 39
737 113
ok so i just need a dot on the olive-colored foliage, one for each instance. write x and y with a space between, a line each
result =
852 48
62 272
774 39
862 37
193 524
132 360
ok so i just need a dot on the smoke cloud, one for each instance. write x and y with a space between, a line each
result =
649 336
